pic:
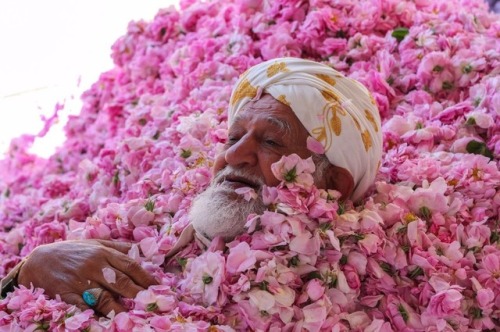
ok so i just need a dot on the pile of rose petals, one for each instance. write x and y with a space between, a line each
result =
420 253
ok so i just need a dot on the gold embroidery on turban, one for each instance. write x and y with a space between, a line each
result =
244 89
282 99
367 139
276 68
370 118
330 96
356 122
372 99
328 79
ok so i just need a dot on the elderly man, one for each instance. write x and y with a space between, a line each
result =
274 108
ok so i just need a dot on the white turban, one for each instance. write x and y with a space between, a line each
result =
337 111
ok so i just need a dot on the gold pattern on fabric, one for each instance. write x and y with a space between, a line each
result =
244 89
282 99
370 118
327 78
356 122
330 96
372 99
332 123
276 68
335 123
367 139
319 134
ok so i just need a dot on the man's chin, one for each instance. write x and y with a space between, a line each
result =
220 211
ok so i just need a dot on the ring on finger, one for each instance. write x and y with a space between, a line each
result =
91 296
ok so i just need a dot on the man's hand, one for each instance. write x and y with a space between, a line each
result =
69 268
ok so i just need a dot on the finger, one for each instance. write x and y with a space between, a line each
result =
123 286
106 303
76 300
123 247
132 269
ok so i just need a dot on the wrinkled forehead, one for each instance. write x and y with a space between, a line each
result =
270 111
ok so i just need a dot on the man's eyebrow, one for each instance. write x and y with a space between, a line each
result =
283 126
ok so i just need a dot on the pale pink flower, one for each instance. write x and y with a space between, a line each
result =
247 193
314 146
315 289
369 243
402 315
489 273
306 244
314 316
263 300
240 258
446 300
157 298
78 321
204 274
109 275
293 170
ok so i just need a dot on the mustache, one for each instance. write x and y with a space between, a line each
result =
233 174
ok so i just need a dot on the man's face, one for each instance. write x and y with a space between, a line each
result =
262 132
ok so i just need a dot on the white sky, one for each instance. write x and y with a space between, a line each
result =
46 47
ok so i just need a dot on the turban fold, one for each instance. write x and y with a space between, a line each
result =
337 111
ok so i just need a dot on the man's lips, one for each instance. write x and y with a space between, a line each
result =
238 182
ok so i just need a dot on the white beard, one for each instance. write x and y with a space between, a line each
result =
219 211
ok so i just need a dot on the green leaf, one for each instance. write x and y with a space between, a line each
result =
150 205
400 33
186 153
207 279
263 285
438 68
325 226
291 175
447 85
416 272
425 213
116 178
341 208
471 121
476 147
476 312
182 262
403 312
467 69
152 307
494 237
386 267
313 275
294 261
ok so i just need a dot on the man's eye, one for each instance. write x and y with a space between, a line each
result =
232 140
271 142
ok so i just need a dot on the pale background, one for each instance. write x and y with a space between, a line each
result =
47 49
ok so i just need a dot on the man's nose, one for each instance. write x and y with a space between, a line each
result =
243 152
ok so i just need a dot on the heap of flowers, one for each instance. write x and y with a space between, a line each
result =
420 253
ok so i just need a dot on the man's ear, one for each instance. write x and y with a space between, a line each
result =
339 179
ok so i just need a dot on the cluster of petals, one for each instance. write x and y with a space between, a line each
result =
420 253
